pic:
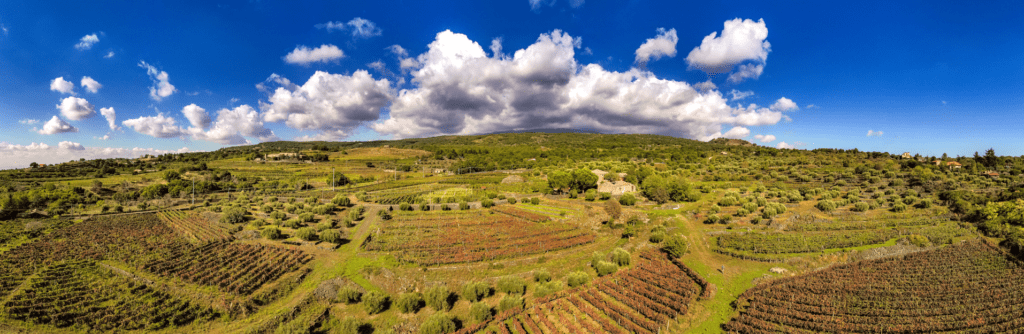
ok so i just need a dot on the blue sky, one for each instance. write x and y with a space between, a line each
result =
927 77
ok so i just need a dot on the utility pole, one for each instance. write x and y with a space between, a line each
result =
193 192
332 178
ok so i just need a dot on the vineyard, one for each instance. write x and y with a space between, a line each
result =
443 239
519 213
237 268
409 194
969 287
79 293
639 300
194 227
807 242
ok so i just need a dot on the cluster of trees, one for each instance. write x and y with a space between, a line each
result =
579 180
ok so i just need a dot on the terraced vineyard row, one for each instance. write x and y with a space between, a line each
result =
805 242
639 300
194 227
237 268
78 293
520 213
443 239
403 195
969 287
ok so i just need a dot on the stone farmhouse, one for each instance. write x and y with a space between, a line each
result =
615 188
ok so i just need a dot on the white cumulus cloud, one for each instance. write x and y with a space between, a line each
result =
29 121
158 126
736 133
784 104
765 138
91 85
76 108
705 86
110 54
197 116
111 117
303 55
740 41
56 125
783 144
60 85
67 145
162 86
874 133
331 103
458 89
232 124
87 41
664 45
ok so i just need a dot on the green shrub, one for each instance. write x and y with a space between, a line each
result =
925 203
657 237
715 209
475 291
620 257
629 232
438 323
292 223
324 224
750 206
347 326
375 302
342 201
741 212
332 236
348 295
267 208
279 215
481 312
233 215
486 203
511 302
306 217
306 233
547 288
899 207
446 207
605 195
271 233
606 268
425 207
675 245
511 285
409 302
712 219
761 201
627 199
577 278
541 276
574 194
438 298
511 200
535 201
860 207
919 240
463 206
826 205
589 196
405 207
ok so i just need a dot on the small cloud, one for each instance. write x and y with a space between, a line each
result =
812 106
87 41
587 51
739 95
746 71
55 126
304 56
360 27
111 117
158 126
162 86
398 50
874 133
535 4
663 45
60 85
105 137
29 121
76 109
737 133
783 144
72 146
705 86
784 104
943 102
110 54
91 85
765 138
